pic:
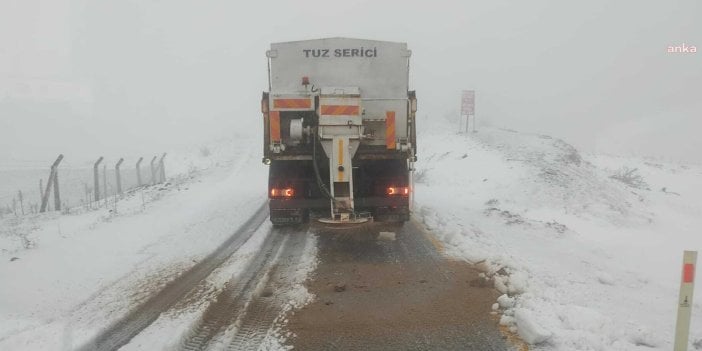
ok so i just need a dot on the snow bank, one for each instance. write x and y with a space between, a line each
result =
67 276
585 261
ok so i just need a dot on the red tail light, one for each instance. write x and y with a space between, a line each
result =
394 191
286 192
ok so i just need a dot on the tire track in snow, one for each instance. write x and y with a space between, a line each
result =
224 311
122 331
271 300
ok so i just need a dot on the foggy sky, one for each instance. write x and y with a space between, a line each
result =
141 77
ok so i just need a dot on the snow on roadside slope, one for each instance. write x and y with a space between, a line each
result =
84 270
586 262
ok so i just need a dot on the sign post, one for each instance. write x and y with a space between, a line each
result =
687 285
468 107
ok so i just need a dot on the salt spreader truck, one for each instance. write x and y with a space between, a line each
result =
339 131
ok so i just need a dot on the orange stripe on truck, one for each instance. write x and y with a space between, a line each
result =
390 129
339 110
292 103
275 126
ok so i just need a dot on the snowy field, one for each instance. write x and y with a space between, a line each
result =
585 261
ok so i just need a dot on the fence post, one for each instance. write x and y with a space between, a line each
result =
162 168
118 178
41 188
138 170
153 171
57 195
21 200
88 201
47 191
104 183
96 176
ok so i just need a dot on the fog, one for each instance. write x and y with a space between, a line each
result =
124 78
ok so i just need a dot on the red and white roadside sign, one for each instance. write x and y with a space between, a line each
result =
687 285
468 103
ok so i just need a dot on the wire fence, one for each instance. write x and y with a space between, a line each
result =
25 186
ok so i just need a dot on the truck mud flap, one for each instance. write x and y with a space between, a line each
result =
392 214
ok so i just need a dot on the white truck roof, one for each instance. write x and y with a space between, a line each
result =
378 68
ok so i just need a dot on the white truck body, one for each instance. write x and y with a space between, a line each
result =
379 69
351 99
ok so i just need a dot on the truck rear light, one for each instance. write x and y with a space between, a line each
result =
397 191
286 192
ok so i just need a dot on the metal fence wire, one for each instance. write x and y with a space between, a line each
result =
20 191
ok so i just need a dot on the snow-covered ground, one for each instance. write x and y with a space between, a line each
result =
586 262
65 277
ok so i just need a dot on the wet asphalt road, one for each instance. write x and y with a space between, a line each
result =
394 292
